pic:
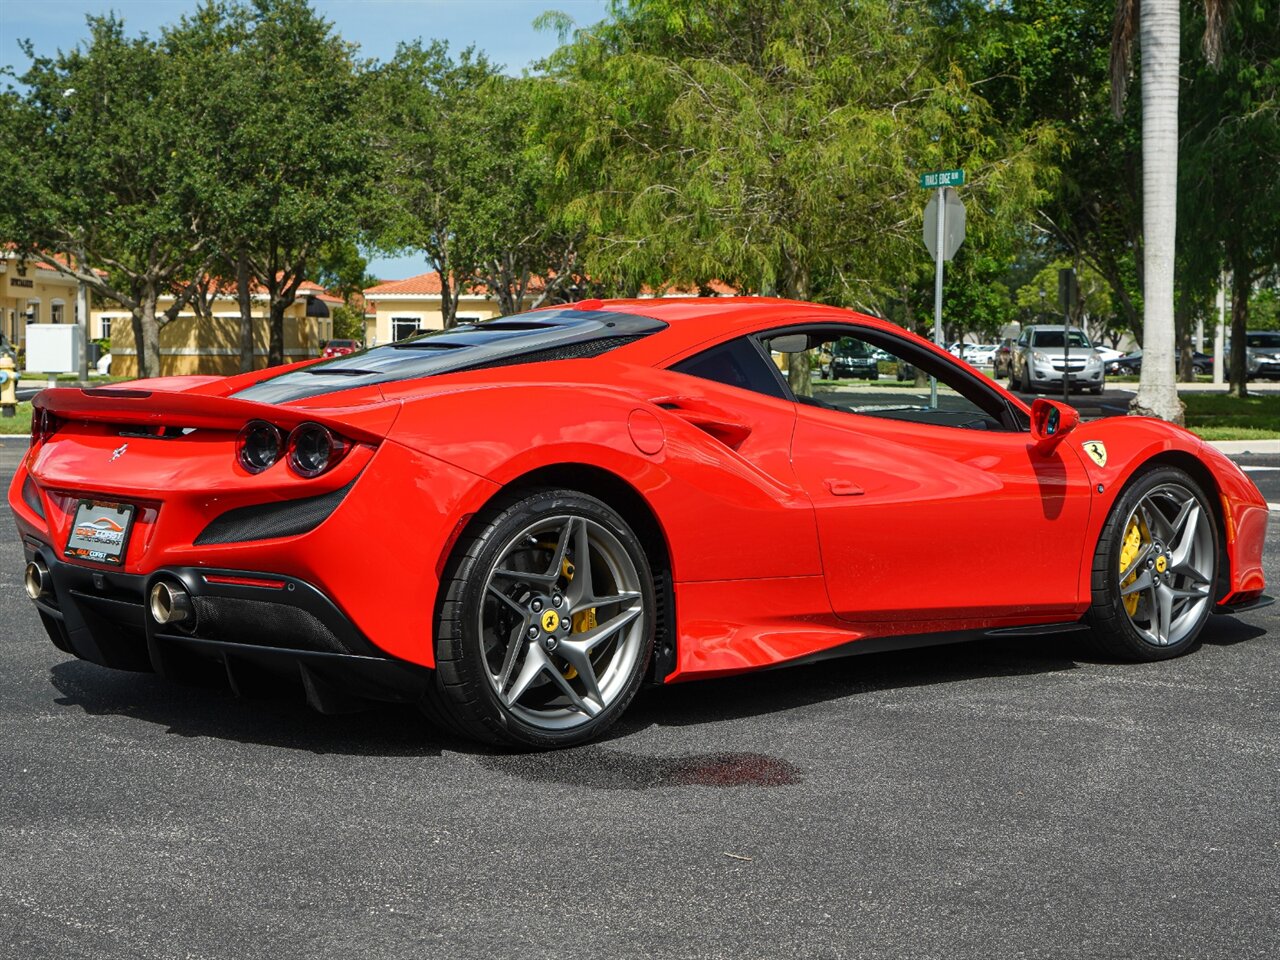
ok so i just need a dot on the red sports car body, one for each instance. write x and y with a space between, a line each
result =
518 522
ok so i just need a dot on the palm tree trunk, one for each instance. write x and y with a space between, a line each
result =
1159 38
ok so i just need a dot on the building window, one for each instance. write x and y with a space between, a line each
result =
402 327
104 326
464 318
33 311
57 311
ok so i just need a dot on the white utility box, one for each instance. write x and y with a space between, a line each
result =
54 347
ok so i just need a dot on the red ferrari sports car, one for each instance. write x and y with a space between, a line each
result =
517 523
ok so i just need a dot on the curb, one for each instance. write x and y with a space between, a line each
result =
1256 447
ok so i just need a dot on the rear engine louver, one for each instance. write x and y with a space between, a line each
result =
569 351
266 521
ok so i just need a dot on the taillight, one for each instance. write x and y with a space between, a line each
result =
43 426
314 449
259 445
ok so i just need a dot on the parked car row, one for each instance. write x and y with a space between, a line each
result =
1131 363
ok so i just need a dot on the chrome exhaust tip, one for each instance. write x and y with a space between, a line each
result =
36 580
170 603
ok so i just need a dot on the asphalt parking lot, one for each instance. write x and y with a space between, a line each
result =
997 799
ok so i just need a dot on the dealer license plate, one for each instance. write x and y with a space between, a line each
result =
100 532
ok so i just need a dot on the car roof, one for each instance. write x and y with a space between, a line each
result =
695 320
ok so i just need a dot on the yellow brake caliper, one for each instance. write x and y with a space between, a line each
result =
1129 548
583 620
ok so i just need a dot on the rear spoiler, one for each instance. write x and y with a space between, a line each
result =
367 423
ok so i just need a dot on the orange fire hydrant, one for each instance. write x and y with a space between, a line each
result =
8 387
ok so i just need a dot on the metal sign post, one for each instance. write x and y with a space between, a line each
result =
944 220
1068 296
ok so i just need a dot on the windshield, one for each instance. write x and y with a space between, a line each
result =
1267 341
1053 338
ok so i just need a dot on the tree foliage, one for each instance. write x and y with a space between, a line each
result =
774 145
96 179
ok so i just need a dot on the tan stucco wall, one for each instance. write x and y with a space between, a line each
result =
192 345
46 286
426 310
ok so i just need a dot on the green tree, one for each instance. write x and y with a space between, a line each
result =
1231 150
96 179
282 152
424 102
774 145
1155 26
1093 312
511 237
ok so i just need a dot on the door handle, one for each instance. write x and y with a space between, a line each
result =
844 488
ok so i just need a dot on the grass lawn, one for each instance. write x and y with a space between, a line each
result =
20 423
1217 416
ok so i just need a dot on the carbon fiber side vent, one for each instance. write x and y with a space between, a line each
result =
265 521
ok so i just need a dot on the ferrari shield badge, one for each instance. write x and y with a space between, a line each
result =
1097 451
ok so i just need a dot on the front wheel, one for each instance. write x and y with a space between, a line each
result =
546 626
1154 568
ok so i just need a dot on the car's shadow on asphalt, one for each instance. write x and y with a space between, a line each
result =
285 721
280 719
772 691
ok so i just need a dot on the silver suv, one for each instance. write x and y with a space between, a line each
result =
1038 361
1262 352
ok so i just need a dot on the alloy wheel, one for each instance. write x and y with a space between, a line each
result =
1166 564
562 622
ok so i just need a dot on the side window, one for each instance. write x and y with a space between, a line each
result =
737 363
875 374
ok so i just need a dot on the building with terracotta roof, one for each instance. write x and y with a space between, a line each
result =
32 293
400 308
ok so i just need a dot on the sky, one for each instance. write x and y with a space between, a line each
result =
503 29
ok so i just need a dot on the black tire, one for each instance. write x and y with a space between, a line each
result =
1096 391
466 698
1024 382
1114 631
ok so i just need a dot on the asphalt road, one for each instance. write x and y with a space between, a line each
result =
997 799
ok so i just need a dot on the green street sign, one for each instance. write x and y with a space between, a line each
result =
942 178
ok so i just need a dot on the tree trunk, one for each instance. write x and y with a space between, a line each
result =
275 350
795 286
244 295
1240 289
146 335
1159 32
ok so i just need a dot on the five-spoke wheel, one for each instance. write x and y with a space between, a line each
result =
547 625
1155 568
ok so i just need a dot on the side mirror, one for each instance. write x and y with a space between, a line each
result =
791 343
1050 422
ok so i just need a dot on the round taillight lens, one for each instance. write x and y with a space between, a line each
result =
313 449
259 445
43 426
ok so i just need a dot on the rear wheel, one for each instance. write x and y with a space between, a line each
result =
546 627
1154 568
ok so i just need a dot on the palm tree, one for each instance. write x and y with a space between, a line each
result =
1157 26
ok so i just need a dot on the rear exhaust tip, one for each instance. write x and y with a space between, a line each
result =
170 603
36 580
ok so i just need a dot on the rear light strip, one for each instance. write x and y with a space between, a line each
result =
230 581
